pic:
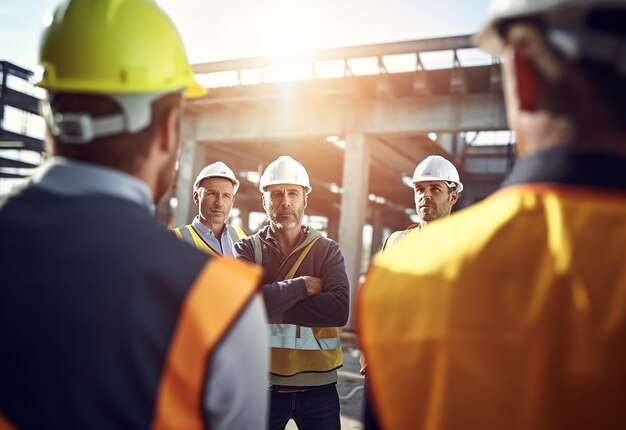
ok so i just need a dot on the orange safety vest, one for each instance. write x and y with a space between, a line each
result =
189 234
395 237
5 424
207 314
296 348
518 322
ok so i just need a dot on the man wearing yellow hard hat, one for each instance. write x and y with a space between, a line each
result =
511 314
108 320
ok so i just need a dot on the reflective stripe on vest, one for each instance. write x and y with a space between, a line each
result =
395 237
235 232
189 234
298 349
297 337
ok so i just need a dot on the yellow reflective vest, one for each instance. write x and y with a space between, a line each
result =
512 317
395 237
296 348
189 234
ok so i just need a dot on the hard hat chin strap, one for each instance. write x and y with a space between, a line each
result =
82 128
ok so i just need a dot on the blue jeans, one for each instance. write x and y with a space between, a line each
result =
311 410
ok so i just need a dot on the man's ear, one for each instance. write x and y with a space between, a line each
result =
306 200
196 197
263 201
170 130
526 80
454 197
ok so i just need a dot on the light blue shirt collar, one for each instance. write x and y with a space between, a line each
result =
224 244
78 178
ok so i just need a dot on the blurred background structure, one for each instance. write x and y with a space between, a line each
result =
21 126
359 118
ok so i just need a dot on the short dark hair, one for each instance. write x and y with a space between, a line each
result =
123 151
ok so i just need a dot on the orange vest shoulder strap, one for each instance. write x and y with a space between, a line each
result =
208 312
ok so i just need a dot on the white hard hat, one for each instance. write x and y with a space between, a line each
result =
217 170
436 168
566 28
285 170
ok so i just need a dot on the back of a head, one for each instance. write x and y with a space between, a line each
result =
573 43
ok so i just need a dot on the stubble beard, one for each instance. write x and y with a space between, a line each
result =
435 213
292 224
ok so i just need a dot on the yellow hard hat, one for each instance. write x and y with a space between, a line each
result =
114 47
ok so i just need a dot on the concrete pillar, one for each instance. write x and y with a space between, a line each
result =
190 162
333 223
377 231
244 214
461 142
447 141
184 183
356 163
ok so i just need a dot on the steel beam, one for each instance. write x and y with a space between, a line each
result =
377 50
319 118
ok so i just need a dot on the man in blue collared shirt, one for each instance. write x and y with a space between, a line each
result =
214 193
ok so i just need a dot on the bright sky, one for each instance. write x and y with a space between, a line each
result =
226 29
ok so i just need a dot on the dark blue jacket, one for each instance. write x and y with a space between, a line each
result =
290 298
91 290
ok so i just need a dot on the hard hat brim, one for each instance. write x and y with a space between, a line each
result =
459 185
307 189
195 90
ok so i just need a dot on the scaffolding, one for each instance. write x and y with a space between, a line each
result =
21 126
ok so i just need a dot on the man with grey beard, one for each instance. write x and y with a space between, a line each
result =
306 293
